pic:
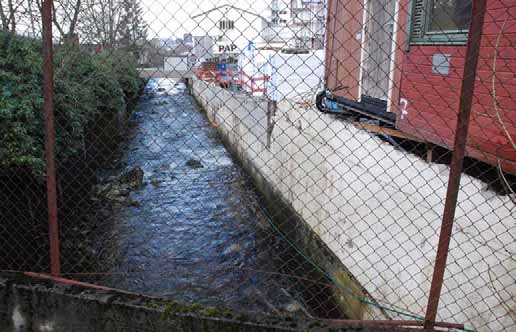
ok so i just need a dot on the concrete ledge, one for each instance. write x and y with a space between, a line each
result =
35 305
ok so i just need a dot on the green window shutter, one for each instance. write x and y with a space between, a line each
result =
418 19
418 34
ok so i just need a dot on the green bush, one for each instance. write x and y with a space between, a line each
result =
87 88
21 133
122 66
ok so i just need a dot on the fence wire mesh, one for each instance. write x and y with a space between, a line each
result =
283 157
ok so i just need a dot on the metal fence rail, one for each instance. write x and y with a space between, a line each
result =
353 161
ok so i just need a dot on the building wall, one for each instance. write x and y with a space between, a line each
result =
427 102
309 18
433 99
203 47
279 35
247 27
296 24
343 47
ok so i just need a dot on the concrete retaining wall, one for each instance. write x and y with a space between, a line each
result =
34 305
376 208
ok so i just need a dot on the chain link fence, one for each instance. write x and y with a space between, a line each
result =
329 159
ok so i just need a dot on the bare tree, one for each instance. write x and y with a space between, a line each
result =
109 23
9 12
3 17
12 15
113 23
66 15
134 28
20 16
32 18
101 21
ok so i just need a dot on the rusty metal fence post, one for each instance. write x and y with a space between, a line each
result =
48 106
461 134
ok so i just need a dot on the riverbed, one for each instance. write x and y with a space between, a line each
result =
195 230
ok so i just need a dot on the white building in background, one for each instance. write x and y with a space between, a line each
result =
293 24
296 24
203 47
309 20
277 33
231 29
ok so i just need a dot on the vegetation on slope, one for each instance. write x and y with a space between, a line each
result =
88 87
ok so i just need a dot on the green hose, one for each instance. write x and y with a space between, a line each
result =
342 287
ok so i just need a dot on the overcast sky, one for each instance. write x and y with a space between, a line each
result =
172 18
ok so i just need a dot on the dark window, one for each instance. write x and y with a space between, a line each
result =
440 21
226 25
450 15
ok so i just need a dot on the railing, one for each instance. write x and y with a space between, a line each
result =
237 77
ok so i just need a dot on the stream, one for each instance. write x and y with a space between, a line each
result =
194 229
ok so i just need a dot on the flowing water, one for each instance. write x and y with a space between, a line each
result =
195 231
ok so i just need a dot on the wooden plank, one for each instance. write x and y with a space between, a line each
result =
387 131
429 152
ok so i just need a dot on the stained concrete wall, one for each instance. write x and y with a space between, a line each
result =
376 208
28 304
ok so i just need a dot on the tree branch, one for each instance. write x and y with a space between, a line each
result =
56 23
3 18
73 23
12 18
